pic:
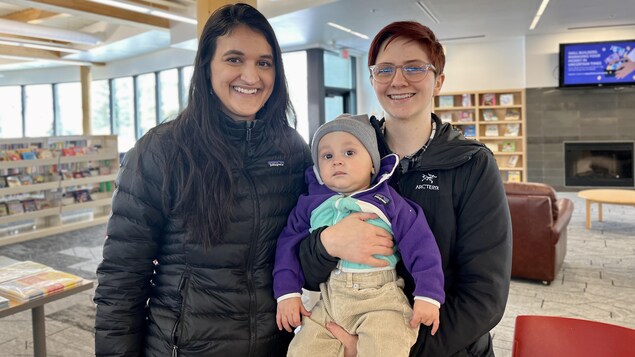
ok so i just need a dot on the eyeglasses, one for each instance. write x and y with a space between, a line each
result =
414 72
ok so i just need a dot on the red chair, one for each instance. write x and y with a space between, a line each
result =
546 336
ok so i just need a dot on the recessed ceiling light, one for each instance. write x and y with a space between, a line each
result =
541 9
600 26
346 29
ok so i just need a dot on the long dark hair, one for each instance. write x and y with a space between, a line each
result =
199 186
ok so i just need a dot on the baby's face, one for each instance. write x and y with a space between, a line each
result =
345 165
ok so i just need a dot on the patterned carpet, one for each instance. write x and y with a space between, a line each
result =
597 282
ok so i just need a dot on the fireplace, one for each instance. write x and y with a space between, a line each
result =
598 164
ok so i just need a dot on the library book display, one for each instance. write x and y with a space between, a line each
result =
51 185
497 119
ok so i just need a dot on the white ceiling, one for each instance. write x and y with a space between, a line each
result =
302 24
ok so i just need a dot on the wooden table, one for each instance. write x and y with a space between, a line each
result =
37 313
614 197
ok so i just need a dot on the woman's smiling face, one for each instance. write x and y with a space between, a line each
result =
400 98
242 72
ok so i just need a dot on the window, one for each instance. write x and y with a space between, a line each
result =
69 109
38 110
168 94
146 103
123 114
295 67
100 108
186 79
11 112
337 71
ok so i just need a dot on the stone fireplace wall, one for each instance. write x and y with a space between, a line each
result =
558 115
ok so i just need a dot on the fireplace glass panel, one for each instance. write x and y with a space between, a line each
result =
598 164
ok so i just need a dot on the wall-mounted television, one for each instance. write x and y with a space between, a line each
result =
597 63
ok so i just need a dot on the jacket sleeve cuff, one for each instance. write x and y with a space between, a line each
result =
431 301
289 296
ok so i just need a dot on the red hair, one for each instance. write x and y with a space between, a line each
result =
413 31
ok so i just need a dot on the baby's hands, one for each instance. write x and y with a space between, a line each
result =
288 315
425 313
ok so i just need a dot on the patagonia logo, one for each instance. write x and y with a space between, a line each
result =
276 163
381 198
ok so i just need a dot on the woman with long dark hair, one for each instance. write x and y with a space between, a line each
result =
199 205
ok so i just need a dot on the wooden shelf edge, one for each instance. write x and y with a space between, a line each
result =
54 211
49 231
55 184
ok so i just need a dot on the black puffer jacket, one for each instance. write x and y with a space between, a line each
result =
458 185
215 303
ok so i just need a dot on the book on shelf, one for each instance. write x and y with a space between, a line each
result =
489 115
28 155
466 100
81 196
493 147
33 282
4 211
15 207
508 146
488 99
3 182
512 114
446 101
13 181
512 129
512 160
25 180
44 154
446 117
513 176
29 205
491 130
507 99
469 131
465 116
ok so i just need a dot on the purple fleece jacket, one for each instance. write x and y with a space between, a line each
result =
412 234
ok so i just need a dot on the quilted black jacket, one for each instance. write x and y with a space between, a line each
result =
157 295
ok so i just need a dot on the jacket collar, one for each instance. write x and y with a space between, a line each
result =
448 149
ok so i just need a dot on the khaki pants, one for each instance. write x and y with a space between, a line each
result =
370 305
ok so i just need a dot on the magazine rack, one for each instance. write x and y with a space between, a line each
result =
51 185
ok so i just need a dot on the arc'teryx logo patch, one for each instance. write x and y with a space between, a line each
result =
276 163
428 182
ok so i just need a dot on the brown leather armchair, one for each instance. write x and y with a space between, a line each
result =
539 226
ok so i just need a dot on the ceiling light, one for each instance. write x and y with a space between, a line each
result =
146 10
427 11
123 5
541 9
346 29
167 15
460 38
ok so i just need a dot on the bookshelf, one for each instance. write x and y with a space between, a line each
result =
497 118
52 185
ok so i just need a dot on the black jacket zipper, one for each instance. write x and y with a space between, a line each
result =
183 287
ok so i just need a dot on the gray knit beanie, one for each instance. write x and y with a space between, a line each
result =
356 125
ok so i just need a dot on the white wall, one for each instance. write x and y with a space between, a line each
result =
484 65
